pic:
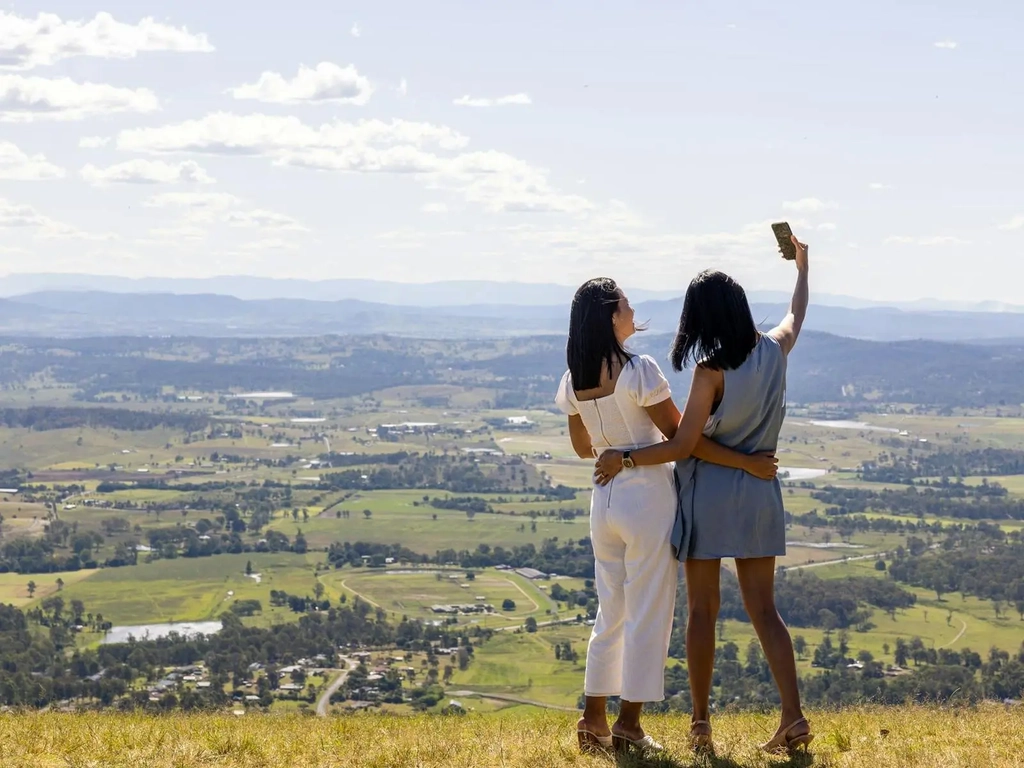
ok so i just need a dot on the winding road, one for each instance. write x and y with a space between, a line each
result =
324 702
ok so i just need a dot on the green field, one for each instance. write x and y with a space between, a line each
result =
194 589
523 664
395 519
14 586
412 594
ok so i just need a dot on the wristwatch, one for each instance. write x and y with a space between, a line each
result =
627 461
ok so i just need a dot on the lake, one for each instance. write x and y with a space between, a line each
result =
801 473
156 631
843 424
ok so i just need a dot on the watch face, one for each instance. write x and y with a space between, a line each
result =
627 462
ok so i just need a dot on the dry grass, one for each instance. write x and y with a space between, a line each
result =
991 736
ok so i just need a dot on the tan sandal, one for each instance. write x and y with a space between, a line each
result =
782 742
701 742
591 742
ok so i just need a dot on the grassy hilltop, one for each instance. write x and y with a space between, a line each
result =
989 736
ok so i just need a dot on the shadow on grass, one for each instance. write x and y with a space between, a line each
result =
665 760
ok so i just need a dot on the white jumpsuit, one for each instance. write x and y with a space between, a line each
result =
631 522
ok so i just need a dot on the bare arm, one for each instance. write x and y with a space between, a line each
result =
788 330
689 440
580 438
666 417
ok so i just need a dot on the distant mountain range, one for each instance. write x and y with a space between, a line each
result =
460 293
104 313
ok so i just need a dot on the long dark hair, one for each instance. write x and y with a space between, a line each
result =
592 344
716 328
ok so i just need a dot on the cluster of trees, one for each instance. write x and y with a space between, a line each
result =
46 417
938 676
304 603
473 504
567 558
804 600
987 501
985 462
41 665
450 472
988 566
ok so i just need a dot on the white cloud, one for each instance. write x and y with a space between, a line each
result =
193 200
16 165
178 233
223 133
1017 222
494 180
268 244
139 171
326 84
949 45
877 185
435 208
827 226
403 87
27 99
25 217
262 219
808 205
925 240
47 39
356 31
501 101
93 142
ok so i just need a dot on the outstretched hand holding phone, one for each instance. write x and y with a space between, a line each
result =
788 330
801 253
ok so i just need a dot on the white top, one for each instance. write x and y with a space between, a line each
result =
618 420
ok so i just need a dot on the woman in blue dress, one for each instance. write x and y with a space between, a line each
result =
737 399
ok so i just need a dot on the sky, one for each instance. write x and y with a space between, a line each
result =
529 141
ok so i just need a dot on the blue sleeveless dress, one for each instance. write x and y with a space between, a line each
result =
726 512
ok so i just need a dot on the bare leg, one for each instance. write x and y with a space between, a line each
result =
757 585
628 722
703 600
595 718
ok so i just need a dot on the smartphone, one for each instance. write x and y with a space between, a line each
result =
784 234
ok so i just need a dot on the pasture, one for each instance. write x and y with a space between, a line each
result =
194 589
403 592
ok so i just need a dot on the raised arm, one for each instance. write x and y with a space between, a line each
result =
788 330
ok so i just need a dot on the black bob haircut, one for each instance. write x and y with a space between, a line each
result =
592 344
716 329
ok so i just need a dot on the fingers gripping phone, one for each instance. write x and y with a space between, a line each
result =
785 237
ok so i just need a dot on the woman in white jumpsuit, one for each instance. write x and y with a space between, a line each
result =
620 401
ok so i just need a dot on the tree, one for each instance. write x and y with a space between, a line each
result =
31 589
318 590
367 514
507 604
470 576
60 584
531 624
1019 605
902 652
248 567
800 646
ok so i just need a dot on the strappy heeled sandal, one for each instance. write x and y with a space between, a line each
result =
591 742
783 742
645 745
701 742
